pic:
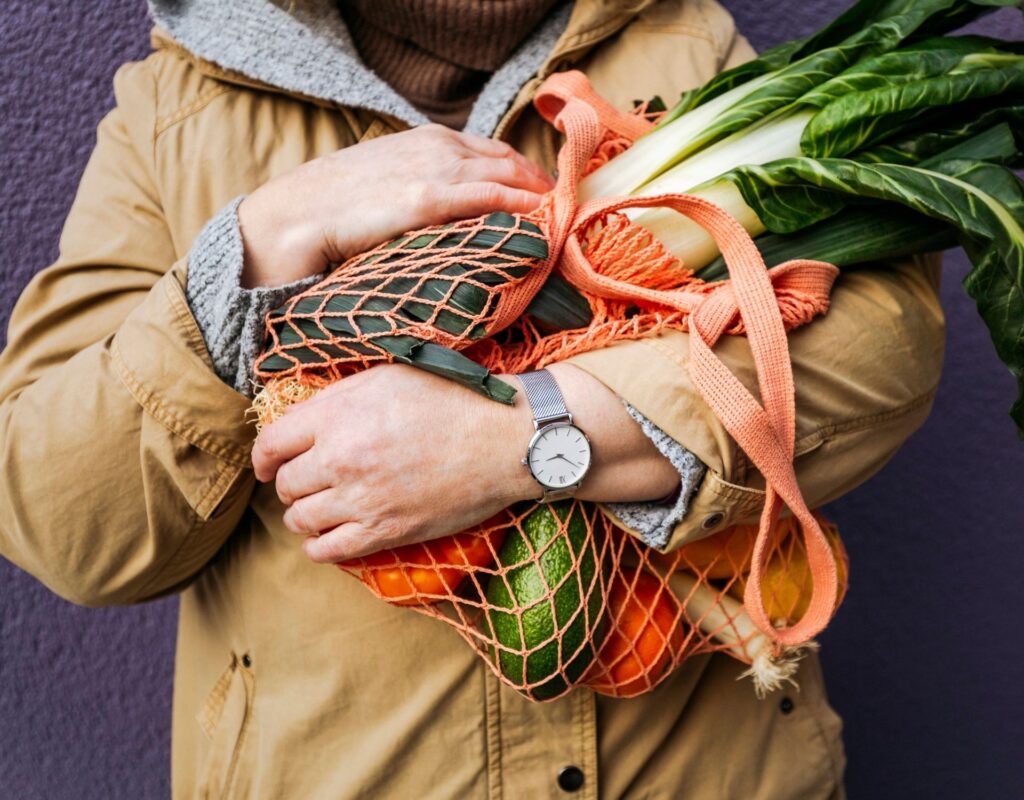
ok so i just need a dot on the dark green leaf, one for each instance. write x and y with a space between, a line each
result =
854 236
917 145
933 17
910 63
457 367
558 306
857 120
984 203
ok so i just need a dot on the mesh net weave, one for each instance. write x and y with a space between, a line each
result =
555 596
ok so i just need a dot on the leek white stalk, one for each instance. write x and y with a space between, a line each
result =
662 148
724 618
769 141
687 240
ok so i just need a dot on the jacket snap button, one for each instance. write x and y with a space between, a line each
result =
787 705
246 661
570 779
711 520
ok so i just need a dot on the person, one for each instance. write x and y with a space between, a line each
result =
259 144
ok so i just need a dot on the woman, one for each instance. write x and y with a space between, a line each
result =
130 472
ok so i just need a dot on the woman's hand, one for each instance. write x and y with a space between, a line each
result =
395 455
334 207
390 456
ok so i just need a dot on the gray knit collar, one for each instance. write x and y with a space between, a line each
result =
307 50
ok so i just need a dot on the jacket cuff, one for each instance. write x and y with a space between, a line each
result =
662 393
161 359
654 522
230 318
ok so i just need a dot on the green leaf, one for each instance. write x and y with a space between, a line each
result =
558 306
300 331
914 62
457 367
656 105
984 203
975 118
863 235
997 145
274 363
787 207
859 119
518 244
318 328
887 22
854 236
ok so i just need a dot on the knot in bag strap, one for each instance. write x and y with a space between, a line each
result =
766 433
570 104
561 87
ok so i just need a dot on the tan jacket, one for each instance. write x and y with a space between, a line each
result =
125 472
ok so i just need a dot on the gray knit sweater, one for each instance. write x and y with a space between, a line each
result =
298 52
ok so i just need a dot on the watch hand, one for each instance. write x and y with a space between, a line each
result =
573 463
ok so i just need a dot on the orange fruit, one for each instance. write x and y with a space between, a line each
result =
721 555
429 572
645 635
786 584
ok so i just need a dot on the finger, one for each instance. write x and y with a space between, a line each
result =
506 171
492 148
320 511
464 200
303 475
349 540
281 441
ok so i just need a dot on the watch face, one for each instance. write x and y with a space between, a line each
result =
559 456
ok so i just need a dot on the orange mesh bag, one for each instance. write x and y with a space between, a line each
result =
555 596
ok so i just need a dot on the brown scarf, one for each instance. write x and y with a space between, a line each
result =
438 54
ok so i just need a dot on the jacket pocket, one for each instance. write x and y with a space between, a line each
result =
225 718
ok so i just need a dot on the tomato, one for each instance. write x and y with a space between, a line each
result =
645 638
429 572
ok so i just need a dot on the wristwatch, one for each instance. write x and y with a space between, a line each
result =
559 453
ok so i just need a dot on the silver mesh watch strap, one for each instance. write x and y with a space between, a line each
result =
545 398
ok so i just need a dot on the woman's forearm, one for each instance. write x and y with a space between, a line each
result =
626 464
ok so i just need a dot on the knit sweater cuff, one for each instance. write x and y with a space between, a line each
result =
230 317
655 521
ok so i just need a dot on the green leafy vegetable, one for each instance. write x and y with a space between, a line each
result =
873 233
984 203
944 16
916 145
859 119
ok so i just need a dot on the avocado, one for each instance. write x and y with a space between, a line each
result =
568 563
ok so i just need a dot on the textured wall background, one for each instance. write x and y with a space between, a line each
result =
923 662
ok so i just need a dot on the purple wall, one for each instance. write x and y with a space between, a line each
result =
922 661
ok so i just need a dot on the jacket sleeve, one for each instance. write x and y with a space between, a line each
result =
124 457
865 376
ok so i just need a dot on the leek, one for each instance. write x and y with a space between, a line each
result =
816 143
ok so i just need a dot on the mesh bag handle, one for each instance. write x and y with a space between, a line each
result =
765 431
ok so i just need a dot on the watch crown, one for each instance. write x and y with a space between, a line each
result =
526 461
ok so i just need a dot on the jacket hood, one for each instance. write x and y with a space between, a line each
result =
306 49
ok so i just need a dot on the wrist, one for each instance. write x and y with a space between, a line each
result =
626 466
276 250
514 427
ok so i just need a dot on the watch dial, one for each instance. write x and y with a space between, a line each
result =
560 456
